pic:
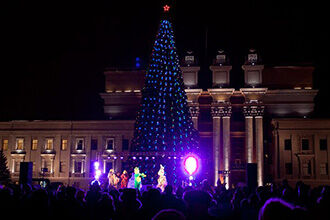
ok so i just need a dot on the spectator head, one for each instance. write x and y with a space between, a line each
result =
153 194
80 195
168 190
71 192
127 195
287 194
95 186
197 201
169 214
275 209
115 194
244 204
179 192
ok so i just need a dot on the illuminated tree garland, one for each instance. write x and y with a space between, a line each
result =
163 123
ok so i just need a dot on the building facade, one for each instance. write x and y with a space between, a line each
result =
64 151
265 123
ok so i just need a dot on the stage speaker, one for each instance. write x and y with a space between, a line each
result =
251 175
25 173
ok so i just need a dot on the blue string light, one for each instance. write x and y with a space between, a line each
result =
163 121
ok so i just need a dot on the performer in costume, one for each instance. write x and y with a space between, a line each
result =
137 178
113 179
131 182
162 182
124 179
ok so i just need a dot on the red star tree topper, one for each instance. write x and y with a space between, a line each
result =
166 8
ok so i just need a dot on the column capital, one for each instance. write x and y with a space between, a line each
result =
253 110
194 110
221 110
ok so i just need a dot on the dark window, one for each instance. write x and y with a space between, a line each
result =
125 144
109 144
323 144
108 166
287 144
305 144
77 166
288 168
80 144
94 144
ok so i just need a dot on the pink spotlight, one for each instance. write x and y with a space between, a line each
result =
190 164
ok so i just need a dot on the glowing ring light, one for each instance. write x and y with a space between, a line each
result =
190 164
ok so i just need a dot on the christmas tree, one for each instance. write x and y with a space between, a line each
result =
4 171
163 125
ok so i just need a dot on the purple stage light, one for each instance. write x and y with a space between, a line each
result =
134 158
96 165
97 174
191 165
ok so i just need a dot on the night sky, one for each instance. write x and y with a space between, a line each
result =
54 52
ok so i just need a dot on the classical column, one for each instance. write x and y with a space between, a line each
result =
13 166
43 163
216 142
221 107
51 165
226 147
260 150
253 107
104 165
82 166
194 112
73 161
249 138
249 112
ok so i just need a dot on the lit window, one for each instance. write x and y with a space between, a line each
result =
109 144
49 144
34 144
19 144
5 144
64 145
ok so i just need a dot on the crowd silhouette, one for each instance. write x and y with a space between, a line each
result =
278 202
